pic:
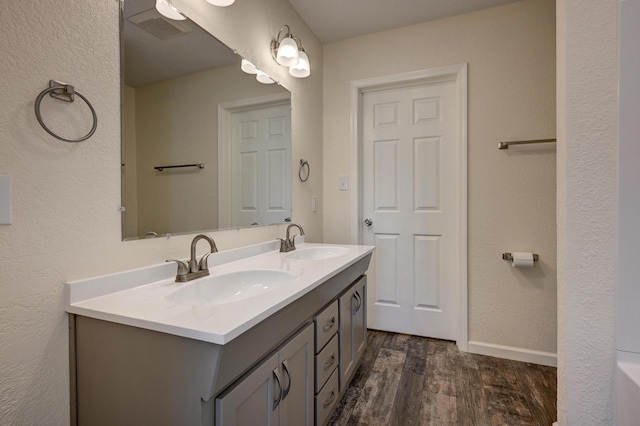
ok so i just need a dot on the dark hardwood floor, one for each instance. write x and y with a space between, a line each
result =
409 380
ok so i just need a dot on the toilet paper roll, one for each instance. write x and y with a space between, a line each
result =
522 260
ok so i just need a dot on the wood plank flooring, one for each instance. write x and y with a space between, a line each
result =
409 380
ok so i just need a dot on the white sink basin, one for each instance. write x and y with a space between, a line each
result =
317 253
228 288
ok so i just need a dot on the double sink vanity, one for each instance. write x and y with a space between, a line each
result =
268 338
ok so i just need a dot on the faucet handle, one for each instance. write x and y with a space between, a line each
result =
183 268
203 265
283 245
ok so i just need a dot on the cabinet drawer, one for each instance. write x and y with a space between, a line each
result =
326 325
326 362
327 399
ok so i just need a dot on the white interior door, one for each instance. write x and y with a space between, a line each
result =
260 166
409 192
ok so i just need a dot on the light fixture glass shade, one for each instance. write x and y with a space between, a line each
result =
221 3
287 52
264 78
166 9
301 69
248 67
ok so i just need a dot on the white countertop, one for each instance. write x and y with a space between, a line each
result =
138 298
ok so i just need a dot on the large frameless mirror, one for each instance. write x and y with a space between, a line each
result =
205 146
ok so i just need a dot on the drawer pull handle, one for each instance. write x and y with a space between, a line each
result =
329 324
329 400
329 363
277 400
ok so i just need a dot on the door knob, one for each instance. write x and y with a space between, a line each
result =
368 222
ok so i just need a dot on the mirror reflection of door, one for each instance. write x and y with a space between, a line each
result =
259 166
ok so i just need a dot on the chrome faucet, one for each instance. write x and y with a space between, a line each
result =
195 269
289 243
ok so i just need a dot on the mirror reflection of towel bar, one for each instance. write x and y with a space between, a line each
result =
161 168
505 145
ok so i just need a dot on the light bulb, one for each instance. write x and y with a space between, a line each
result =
166 9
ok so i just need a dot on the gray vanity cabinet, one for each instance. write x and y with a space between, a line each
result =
279 392
353 329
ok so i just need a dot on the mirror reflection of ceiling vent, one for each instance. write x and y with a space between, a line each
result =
159 26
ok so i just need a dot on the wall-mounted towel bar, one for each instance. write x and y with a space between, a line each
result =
505 145
161 168
64 92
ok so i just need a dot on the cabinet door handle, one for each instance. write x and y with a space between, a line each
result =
329 324
285 368
358 300
276 375
354 306
329 400
331 361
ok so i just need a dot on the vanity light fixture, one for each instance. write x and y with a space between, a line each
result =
168 10
301 69
287 51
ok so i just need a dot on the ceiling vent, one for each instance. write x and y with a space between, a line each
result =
157 25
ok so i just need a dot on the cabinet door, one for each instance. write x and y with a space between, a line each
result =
346 302
353 329
254 400
296 364
360 320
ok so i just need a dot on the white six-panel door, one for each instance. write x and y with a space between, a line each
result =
409 193
260 166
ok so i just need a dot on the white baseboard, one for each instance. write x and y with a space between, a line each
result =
516 354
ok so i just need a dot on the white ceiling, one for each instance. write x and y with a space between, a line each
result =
334 20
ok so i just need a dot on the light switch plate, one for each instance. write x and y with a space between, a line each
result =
343 183
5 200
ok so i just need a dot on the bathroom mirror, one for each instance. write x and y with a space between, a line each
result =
205 146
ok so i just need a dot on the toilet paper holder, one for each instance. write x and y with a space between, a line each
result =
508 256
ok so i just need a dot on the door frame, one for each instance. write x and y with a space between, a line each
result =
457 73
225 111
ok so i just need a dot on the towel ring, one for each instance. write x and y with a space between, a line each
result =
64 92
304 163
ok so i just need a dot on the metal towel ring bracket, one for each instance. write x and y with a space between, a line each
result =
64 92
304 163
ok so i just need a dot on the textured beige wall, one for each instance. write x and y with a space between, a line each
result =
184 201
587 247
66 196
511 194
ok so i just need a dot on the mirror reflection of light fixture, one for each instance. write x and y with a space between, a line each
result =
263 78
287 51
168 10
248 67
221 3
